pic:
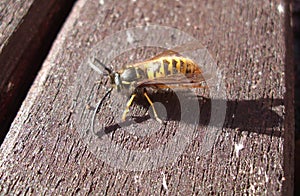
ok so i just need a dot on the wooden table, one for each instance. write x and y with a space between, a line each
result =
251 151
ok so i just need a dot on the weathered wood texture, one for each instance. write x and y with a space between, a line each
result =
253 153
27 30
296 30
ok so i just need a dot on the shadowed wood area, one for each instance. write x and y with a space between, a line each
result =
50 147
27 30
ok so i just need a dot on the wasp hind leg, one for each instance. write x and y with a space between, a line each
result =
127 107
153 108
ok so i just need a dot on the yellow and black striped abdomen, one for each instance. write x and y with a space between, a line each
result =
165 66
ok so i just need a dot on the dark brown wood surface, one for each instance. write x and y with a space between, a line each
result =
27 30
296 31
253 151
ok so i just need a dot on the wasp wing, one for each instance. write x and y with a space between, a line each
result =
164 54
167 53
189 46
176 81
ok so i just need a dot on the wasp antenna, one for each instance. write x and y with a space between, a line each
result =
98 107
104 66
94 67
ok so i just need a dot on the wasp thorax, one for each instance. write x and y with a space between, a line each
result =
131 74
127 78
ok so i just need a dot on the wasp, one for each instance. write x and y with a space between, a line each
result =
166 70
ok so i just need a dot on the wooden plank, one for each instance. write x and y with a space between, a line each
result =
27 31
45 151
296 31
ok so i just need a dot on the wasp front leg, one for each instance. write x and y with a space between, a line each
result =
127 107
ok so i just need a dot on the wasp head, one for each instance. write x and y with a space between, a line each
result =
115 81
123 80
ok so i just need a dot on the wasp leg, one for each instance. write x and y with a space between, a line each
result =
153 108
128 106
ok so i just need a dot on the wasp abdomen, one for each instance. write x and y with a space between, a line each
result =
169 66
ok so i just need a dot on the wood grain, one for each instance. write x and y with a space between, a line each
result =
27 30
252 153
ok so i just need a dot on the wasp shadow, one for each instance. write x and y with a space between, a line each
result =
246 115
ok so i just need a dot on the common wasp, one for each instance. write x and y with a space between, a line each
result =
167 70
